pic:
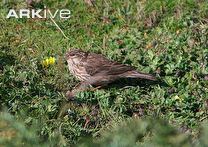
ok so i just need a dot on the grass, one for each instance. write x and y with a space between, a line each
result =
166 38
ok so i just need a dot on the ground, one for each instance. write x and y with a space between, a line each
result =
166 38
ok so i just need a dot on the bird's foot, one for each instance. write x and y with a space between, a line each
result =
94 88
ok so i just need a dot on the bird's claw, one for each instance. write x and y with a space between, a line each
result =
95 88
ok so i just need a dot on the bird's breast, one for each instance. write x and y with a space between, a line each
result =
78 70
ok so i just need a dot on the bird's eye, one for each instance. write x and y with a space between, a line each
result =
72 54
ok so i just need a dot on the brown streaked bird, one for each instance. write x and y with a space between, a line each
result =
96 70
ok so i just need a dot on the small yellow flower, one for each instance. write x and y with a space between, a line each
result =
48 61
51 60
45 63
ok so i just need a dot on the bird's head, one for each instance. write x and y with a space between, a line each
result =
75 55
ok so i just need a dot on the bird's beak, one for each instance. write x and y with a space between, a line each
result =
67 54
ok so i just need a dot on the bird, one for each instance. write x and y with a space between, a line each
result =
93 69
89 2
30 3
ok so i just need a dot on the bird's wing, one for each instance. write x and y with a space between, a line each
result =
98 64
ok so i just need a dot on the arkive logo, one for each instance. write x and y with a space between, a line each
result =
39 13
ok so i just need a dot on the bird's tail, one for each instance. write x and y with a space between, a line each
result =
136 74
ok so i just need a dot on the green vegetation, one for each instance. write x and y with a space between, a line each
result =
168 38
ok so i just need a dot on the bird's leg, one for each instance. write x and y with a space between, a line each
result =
95 88
78 88
83 86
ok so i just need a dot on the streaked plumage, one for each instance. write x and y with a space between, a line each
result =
95 69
